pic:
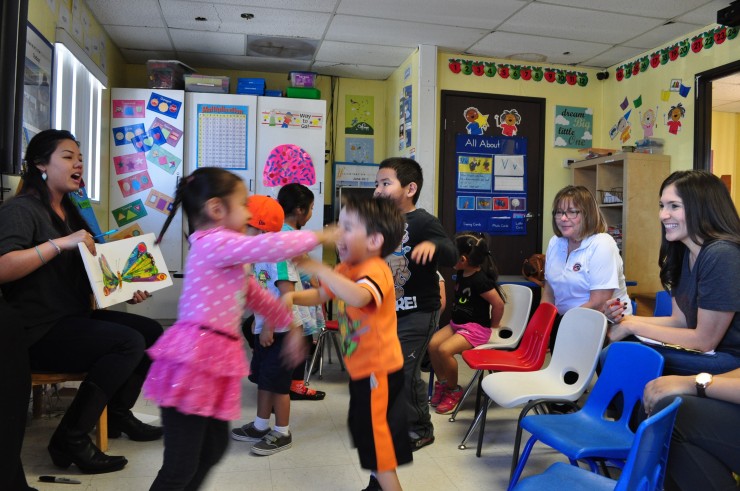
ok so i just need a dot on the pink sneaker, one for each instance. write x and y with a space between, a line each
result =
438 394
450 401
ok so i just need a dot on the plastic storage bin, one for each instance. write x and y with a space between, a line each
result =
251 86
302 79
303 93
273 93
167 74
207 83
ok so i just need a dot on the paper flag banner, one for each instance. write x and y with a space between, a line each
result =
624 104
684 90
637 102
665 95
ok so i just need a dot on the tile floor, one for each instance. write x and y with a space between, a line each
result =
321 457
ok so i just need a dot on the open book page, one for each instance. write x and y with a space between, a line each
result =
674 346
124 266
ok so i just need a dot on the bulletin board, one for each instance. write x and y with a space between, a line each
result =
491 187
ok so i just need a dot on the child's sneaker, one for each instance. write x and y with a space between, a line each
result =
439 392
299 392
272 443
450 401
248 433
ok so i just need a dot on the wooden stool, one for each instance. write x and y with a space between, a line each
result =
38 379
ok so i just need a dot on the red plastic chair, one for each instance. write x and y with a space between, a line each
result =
529 356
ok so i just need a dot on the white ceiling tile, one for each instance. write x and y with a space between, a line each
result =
400 33
306 5
661 35
143 13
662 9
705 15
612 56
139 57
208 42
503 45
571 23
725 92
732 107
354 71
369 54
273 22
181 15
139 37
444 12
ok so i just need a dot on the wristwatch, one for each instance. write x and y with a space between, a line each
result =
703 380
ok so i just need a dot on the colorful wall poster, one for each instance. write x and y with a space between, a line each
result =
349 174
294 118
359 115
573 127
491 187
360 150
222 136
121 267
404 112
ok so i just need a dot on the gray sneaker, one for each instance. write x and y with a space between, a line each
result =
248 433
272 443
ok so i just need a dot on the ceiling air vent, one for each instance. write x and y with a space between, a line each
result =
280 47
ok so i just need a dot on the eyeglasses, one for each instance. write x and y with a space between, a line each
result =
571 214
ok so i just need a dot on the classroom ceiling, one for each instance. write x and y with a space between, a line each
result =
369 39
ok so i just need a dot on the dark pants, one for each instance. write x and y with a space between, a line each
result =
414 332
192 445
108 345
705 446
16 387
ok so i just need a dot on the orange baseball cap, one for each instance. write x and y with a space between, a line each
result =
267 214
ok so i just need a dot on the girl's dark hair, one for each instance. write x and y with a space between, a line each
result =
194 190
295 196
380 216
407 171
39 152
709 213
474 246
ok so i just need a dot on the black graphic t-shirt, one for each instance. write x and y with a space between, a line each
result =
469 306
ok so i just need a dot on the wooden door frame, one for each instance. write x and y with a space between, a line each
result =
703 112
542 102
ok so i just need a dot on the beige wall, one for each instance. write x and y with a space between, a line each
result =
726 149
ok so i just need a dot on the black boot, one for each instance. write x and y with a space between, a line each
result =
71 443
122 420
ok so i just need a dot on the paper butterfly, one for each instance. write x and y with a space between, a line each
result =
140 267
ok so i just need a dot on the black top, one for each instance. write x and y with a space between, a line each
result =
469 306
55 290
417 285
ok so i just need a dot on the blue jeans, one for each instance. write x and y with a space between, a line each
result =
678 362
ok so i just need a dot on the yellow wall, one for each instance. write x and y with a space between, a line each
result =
395 85
726 149
649 85
43 19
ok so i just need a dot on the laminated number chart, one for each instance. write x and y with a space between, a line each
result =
222 136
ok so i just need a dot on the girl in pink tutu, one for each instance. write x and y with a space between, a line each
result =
199 362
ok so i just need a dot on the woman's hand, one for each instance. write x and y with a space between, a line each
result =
139 296
614 310
662 387
617 332
70 241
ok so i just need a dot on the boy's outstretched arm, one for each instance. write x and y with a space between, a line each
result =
353 294
308 298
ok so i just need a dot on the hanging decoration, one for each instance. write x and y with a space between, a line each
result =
696 44
517 72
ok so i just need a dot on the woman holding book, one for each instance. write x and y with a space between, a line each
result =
699 265
42 277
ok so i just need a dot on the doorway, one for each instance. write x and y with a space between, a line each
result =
509 251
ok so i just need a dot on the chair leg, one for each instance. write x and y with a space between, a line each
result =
518 438
101 431
471 429
336 347
484 411
38 401
468 388
316 354
522 461
430 388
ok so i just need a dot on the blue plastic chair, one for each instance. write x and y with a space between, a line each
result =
663 304
588 434
644 470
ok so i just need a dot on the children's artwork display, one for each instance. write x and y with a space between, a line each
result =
122 267
491 184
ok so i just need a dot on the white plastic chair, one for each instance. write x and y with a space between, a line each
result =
571 368
513 322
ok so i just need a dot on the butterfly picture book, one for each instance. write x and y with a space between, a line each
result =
121 267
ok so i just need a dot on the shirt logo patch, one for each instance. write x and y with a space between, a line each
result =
577 267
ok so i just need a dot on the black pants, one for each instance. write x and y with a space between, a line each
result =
705 446
192 445
108 345
16 387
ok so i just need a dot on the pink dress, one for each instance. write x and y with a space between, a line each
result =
199 362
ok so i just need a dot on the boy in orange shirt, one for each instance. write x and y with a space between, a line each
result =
362 283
